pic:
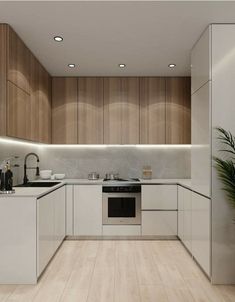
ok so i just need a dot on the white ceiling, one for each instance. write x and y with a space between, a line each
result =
146 36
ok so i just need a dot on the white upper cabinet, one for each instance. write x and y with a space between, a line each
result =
201 138
200 61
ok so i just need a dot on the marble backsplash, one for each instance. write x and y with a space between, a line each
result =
77 162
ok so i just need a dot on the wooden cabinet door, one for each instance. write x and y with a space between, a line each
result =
152 111
44 106
112 111
18 112
34 98
178 111
18 61
90 111
3 79
121 110
64 111
130 111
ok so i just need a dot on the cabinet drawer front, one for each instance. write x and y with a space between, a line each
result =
121 230
160 223
159 197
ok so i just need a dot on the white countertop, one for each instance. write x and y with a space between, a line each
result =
38 192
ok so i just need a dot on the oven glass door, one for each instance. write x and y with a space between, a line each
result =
121 208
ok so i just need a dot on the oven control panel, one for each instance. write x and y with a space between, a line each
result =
122 189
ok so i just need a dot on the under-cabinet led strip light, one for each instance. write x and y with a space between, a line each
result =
41 145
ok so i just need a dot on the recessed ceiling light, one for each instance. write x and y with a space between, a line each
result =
58 39
122 65
171 65
71 65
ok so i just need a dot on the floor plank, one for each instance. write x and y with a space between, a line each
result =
120 271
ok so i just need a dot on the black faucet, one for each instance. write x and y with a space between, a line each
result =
25 166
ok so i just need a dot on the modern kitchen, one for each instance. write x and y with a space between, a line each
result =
117 143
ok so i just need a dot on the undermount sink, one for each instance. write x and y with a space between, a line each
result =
40 184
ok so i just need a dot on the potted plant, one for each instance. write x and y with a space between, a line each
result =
226 167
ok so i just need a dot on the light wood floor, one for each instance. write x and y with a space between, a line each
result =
120 271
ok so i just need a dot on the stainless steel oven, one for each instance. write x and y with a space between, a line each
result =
122 204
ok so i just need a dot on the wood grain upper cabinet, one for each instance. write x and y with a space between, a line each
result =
90 111
121 110
18 112
44 106
152 110
34 98
64 111
178 110
18 61
3 79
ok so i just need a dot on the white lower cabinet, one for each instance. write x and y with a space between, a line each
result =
201 234
50 226
69 210
159 197
87 210
185 217
159 223
45 222
59 218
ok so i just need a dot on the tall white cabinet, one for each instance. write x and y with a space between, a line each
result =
213 99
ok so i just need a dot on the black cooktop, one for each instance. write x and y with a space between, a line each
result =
121 179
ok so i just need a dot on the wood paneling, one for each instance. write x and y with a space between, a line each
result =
130 111
18 62
44 106
18 112
34 98
152 110
178 110
112 111
121 110
90 111
3 75
64 111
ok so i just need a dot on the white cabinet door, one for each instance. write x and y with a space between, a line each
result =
200 61
187 237
201 222
45 220
69 210
159 223
59 216
159 197
181 213
87 210
201 139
